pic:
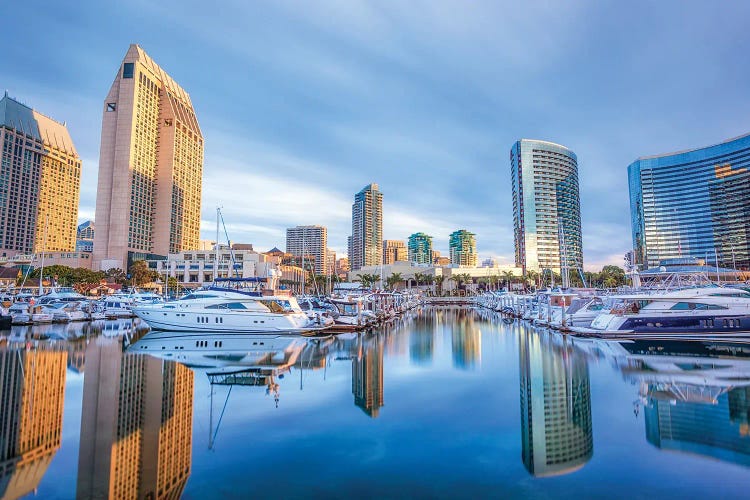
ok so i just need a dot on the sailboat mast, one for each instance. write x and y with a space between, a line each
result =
216 246
44 250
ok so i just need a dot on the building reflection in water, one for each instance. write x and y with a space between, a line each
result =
422 340
466 340
136 425
32 389
556 430
367 374
696 395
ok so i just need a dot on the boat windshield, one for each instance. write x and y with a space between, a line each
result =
277 306
577 305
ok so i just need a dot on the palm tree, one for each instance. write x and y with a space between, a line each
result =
419 278
393 280
534 277
462 278
439 281
367 280
508 276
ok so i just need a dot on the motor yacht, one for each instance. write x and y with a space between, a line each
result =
117 306
706 311
227 311
64 312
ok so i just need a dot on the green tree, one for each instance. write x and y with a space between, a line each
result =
534 277
393 280
140 274
508 278
116 274
439 282
367 280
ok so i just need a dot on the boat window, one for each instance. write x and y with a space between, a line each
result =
235 305
682 306
273 306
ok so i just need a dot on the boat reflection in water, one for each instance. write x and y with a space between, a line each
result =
32 384
136 425
556 430
695 395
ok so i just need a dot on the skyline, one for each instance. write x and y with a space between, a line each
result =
335 96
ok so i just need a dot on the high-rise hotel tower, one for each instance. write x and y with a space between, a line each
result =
692 204
148 201
546 206
309 241
40 178
366 243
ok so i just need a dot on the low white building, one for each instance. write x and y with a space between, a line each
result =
193 268
409 270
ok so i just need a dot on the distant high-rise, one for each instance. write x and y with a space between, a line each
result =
394 251
40 178
85 237
366 244
148 200
31 414
463 248
546 206
692 204
309 241
420 248
136 425
556 430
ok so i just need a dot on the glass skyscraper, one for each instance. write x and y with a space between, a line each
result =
463 248
366 242
420 248
546 206
692 204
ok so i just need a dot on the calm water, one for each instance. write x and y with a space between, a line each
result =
445 403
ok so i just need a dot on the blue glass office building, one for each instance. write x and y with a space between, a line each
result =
692 204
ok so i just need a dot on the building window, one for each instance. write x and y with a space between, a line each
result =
128 69
111 106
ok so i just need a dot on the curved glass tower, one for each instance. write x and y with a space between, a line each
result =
420 248
463 248
546 206
692 204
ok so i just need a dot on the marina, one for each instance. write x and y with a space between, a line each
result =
427 403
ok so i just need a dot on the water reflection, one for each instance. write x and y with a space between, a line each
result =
556 430
695 395
367 375
32 385
136 425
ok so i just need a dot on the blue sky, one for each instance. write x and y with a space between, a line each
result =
304 103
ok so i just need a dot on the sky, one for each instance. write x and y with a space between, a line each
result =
302 104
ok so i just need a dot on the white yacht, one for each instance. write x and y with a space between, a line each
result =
117 306
63 294
217 310
63 312
20 314
700 312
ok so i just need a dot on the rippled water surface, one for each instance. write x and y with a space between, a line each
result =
446 402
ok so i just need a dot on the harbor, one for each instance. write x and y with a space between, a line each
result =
426 403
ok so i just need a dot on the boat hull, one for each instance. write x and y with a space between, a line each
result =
226 321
